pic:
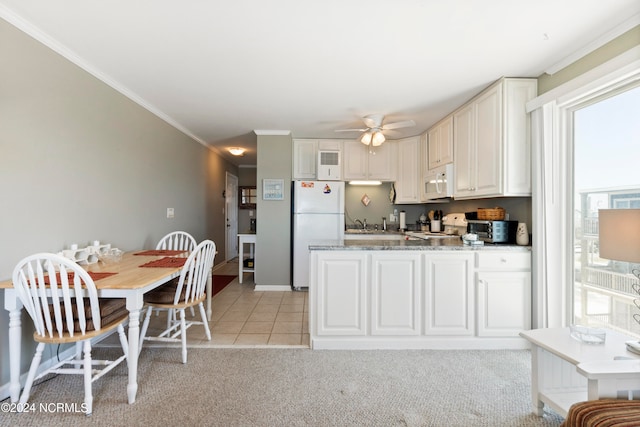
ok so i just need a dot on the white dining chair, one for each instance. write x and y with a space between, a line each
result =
177 240
62 300
187 290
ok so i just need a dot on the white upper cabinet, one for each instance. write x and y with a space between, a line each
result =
440 143
491 142
409 176
305 158
367 162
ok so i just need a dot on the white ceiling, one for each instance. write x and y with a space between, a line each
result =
220 69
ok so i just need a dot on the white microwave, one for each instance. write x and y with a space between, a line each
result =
439 183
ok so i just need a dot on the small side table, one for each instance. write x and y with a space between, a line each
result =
565 371
250 239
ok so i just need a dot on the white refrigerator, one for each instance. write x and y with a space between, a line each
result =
318 214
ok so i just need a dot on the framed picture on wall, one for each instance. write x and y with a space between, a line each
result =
273 189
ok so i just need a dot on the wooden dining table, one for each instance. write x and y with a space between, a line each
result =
130 281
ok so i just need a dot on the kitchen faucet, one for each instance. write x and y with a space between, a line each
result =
363 224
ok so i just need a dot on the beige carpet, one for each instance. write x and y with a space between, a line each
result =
301 387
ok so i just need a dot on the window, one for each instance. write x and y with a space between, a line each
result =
248 197
606 154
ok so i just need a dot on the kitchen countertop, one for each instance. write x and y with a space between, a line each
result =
446 244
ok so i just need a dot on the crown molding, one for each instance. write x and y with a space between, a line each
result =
605 38
36 33
263 132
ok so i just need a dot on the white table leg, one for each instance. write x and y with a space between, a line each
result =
209 293
536 380
13 305
240 259
134 305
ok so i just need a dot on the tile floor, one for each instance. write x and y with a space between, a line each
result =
244 317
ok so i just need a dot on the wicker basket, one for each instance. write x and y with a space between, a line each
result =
491 213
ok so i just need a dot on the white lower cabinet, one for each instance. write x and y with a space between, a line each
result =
503 293
341 292
449 299
412 299
395 293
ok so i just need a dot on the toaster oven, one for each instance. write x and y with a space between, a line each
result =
493 231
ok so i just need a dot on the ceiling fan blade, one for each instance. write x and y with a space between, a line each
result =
373 120
391 133
396 125
350 130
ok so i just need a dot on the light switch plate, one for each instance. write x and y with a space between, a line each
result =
170 213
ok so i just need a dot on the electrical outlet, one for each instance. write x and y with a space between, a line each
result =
250 213
170 213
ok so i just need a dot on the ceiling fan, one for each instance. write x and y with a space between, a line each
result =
374 132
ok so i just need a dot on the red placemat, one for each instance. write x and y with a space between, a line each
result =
160 252
166 262
94 276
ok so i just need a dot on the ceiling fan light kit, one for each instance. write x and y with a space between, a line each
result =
374 133
378 138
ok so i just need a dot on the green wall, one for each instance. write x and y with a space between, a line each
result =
79 162
273 236
599 56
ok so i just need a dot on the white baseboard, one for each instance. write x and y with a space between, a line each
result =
280 288
445 343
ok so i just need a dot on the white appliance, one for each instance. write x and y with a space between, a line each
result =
328 165
439 183
318 214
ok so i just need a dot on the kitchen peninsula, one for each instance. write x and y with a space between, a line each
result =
418 294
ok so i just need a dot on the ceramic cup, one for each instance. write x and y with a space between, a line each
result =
522 234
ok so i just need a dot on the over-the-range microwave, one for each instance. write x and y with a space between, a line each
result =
439 183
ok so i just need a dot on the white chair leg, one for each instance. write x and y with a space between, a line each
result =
32 373
205 323
123 341
88 397
145 325
78 355
171 317
183 335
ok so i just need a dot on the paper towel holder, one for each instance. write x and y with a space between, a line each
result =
403 221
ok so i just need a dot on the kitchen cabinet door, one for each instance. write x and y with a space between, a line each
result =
449 294
368 162
488 140
440 143
408 180
504 303
381 161
305 158
465 170
395 293
354 160
339 283
491 140
503 282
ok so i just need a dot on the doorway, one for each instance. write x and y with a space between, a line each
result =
231 214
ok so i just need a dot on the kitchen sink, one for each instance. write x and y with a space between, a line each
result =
369 231
429 235
360 234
